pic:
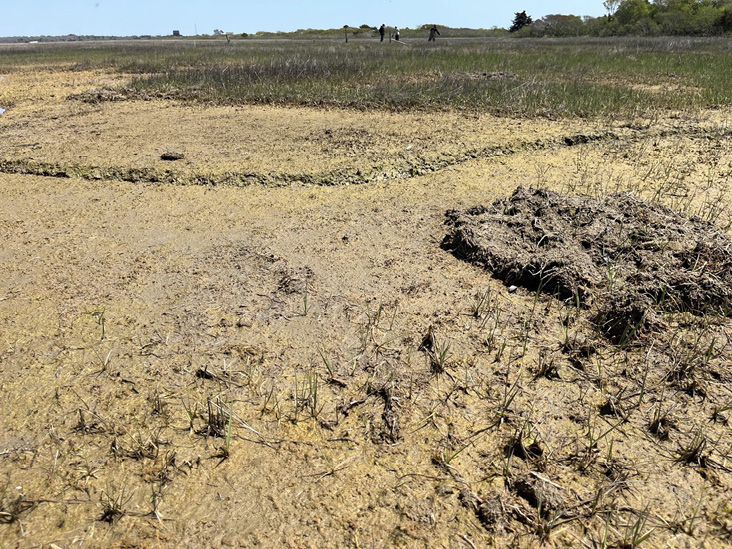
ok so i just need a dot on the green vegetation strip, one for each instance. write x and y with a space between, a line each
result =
610 77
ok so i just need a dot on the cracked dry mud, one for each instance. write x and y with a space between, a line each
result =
198 365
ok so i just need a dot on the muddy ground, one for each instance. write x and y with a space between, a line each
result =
275 358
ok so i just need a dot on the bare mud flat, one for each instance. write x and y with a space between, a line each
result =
274 358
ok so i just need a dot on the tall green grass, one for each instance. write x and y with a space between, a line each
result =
529 77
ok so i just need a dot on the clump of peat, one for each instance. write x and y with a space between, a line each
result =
624 259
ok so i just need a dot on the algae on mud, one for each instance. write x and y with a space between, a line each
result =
211 365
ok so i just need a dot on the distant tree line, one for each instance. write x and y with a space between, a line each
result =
635 17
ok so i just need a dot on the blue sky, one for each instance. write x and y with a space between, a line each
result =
136 17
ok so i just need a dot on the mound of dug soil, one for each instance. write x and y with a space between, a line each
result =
624 258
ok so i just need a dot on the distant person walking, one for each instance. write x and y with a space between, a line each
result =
396 34
382 31
433 32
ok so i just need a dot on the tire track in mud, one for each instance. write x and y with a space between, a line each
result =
351 176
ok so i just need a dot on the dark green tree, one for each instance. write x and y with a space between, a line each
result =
725 21
632 11
520 21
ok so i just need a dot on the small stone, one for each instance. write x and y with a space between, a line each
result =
512 289
172 156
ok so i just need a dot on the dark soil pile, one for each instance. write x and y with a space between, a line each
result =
624 258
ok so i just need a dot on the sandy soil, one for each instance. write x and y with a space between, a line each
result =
301 365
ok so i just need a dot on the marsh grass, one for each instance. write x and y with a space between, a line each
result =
11 507
113 505
547 77
558 79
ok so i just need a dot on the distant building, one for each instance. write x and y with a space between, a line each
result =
176 33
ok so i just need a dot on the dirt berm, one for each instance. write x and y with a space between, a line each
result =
623 259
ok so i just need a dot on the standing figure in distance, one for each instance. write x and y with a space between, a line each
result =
396 34
382 31
433 32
